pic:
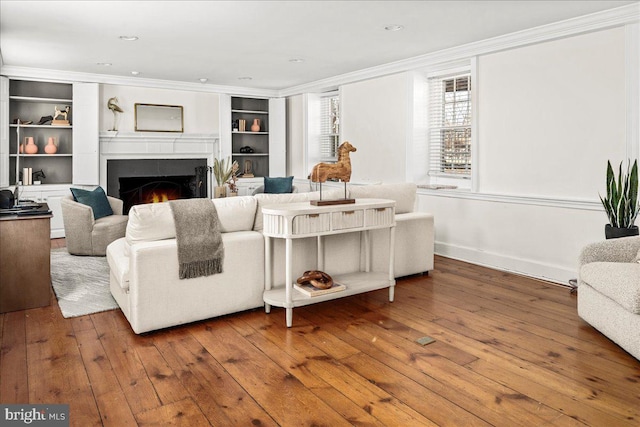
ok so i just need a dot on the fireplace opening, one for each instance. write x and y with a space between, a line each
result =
138 181
140 190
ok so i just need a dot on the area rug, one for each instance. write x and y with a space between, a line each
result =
81 283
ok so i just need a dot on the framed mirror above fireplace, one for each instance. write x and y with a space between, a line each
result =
158 118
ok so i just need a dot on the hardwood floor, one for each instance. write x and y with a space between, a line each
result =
509 351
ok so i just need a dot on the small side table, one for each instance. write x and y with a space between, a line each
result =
25 260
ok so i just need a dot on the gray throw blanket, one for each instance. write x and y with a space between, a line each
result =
200 247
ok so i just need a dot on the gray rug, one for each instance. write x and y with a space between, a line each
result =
81 283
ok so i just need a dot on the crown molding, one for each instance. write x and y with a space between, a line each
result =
71 76
584 24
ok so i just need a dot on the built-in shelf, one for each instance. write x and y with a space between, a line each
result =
42 126
250 111
33 101
40 100
24 156
248 132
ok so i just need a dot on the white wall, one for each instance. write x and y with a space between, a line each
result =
200 109
551 115
295 137
375 116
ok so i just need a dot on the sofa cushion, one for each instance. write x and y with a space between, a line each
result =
236 213
154 221
404 194
278 185
619 281
264 199
96 199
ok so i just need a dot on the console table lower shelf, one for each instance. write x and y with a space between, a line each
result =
355 283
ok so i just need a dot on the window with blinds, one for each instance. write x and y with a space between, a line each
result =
329 127
450 126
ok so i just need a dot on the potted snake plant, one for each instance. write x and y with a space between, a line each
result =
621 203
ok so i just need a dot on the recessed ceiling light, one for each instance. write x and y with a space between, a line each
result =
394 27
203 80
129 38
135 73
296 60
245 78
104 64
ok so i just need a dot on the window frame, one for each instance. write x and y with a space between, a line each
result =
329 137
438 178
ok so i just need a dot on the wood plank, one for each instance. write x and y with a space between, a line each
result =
130 372
272 341
277 391
219 396
13 359
110 398
56 373
183 413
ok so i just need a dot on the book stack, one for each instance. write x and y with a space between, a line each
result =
311 291
242 125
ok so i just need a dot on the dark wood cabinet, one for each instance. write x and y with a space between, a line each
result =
25 261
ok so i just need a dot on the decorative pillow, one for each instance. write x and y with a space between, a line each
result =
95 199
278 185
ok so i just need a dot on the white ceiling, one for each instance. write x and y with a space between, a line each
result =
224 41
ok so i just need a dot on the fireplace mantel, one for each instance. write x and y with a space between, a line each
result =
155 145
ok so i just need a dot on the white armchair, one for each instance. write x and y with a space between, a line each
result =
86 235
609 290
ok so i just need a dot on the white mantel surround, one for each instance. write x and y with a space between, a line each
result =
155 145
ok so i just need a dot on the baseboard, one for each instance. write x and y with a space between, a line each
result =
525 267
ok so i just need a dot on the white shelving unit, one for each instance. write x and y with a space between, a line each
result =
75 162
268 144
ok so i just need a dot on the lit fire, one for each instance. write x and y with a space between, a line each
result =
161 196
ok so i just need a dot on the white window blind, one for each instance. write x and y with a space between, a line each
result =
450 125
329 127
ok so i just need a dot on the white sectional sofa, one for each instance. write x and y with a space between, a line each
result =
144 264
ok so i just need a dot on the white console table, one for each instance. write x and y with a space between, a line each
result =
302 220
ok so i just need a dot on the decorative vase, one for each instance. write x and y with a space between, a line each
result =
219 191
616 232
30 146
21 148
233 194
51 147
255 127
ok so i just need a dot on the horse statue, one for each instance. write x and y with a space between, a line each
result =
340 170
